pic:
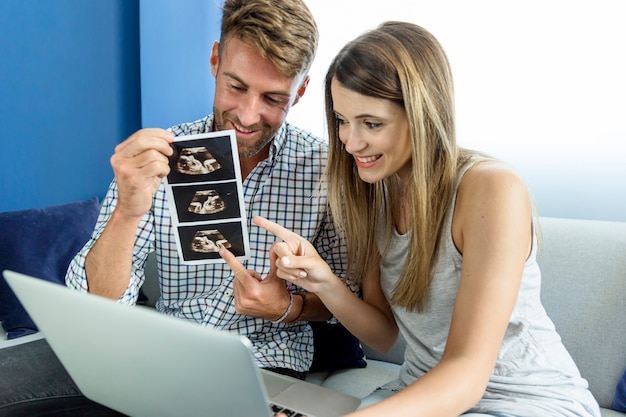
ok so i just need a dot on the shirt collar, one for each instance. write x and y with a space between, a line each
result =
277 145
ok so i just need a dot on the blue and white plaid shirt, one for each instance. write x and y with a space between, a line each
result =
282 188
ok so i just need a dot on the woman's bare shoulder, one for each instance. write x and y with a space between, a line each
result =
492 186
492 199
491 176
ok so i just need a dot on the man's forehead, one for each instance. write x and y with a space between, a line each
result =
251 70
239 50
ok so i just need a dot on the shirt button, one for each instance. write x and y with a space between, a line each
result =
228 293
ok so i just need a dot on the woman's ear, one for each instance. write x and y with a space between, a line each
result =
215 58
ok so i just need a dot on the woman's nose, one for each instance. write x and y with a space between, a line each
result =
352 141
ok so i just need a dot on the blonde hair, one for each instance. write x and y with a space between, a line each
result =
403 63
282 31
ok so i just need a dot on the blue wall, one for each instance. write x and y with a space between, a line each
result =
176 40
69 92
72 77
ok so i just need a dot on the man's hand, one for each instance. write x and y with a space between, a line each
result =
265 298
139 164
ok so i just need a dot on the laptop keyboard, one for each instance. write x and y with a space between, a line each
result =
289 413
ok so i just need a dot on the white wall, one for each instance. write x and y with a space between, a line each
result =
539 83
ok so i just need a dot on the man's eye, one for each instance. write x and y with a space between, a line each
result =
276 101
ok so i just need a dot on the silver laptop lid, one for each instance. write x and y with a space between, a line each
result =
140 362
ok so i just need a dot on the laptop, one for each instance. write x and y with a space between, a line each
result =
144 363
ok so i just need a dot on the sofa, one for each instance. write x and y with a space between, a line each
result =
583 265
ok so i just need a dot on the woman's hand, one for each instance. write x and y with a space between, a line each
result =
296 260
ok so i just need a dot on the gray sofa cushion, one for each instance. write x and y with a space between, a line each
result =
583 265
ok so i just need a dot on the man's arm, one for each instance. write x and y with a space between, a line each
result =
139 164
108 264
312 309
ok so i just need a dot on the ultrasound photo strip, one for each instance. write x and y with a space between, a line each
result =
205 198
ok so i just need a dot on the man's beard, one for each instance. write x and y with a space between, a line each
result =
246 148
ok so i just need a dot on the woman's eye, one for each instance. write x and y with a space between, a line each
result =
373 125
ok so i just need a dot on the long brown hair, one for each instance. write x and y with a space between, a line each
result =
403 63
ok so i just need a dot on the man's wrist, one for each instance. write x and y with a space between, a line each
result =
297 312
287 312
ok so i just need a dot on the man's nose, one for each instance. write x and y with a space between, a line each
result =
250 110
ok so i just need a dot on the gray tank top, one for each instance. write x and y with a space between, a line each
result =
534 374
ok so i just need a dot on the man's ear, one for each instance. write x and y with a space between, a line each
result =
301 90
215 58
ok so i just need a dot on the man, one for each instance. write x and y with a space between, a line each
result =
260 66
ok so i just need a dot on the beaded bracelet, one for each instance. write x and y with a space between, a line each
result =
284 316
299 318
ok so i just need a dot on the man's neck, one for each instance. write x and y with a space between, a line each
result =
247 164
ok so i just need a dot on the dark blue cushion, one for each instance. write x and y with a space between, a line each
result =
41 243
335 348
619 402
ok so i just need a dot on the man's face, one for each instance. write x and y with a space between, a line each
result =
251 95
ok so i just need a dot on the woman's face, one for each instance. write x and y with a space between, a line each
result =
374 131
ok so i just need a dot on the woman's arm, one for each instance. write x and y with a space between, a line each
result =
371 319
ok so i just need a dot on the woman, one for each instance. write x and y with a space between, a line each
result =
443 239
